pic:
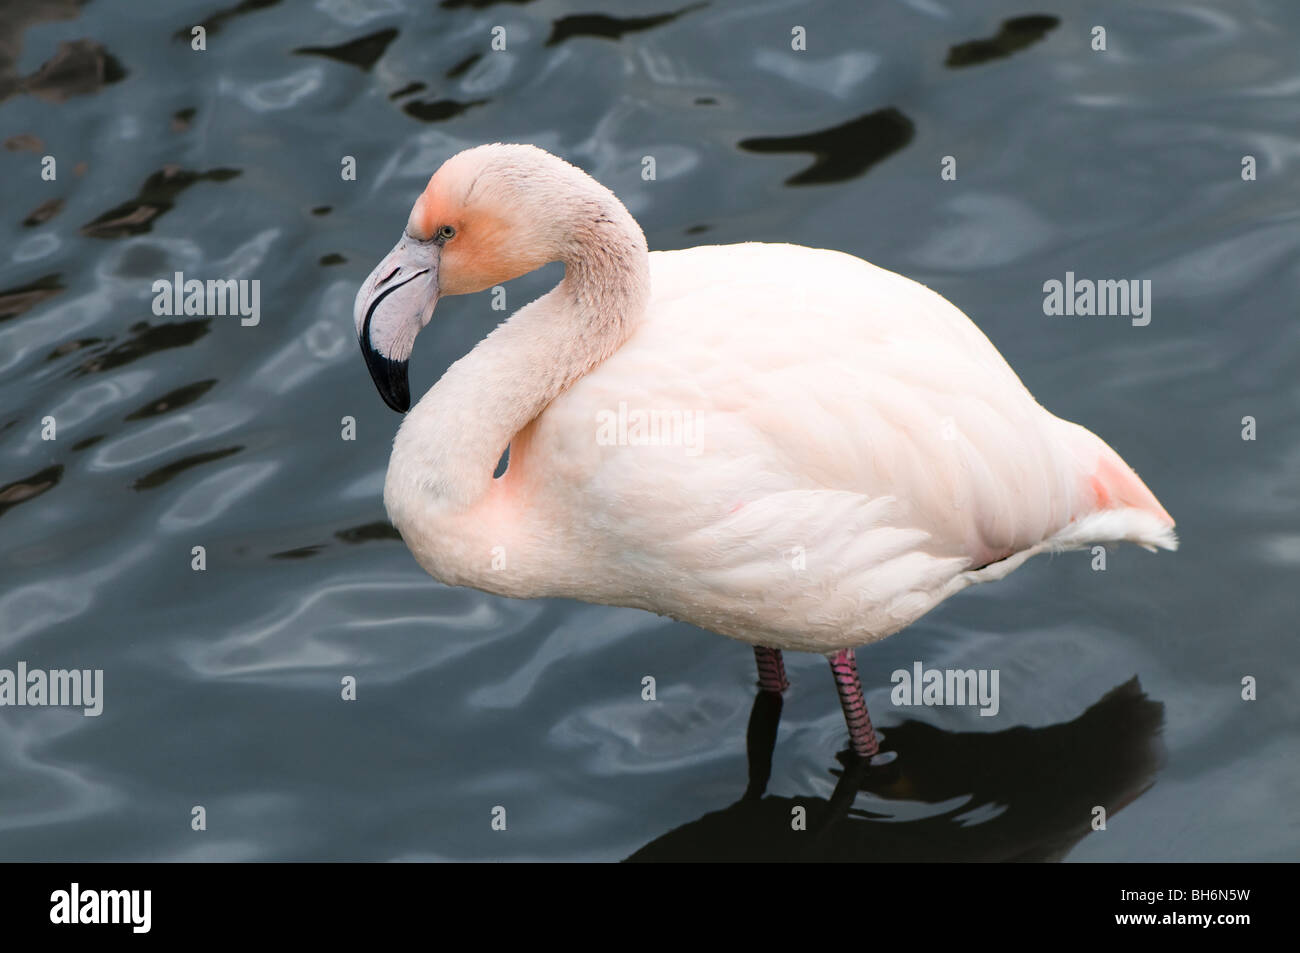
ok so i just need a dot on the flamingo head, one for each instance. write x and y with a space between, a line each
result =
489 214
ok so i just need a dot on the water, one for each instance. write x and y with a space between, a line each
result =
222 688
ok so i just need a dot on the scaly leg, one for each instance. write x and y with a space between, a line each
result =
861 735
771 670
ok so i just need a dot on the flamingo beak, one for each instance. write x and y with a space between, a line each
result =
392 306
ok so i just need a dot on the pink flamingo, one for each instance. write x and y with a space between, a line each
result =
785 445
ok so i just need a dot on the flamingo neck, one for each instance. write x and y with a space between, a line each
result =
450 443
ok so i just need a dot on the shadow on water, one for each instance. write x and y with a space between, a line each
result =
172 400
362 52
145 339
182 119
156 196
438 110
1014 35
28 488
1025 794
409 89
156 478
610 28
14 301
844 151
461 68
367 533
43 213
77 68
213 22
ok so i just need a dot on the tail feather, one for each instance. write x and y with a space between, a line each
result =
1113 502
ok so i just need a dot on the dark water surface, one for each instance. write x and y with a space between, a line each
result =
222 687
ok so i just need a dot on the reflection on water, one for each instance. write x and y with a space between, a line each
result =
145 339
222 685
20 491
158 194
43 213
213 22
844 152
611 28
1015 34
439 109
79 68
156 478
363 52
172 400
14 301
1019 794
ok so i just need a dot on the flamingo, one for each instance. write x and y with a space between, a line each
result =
784 445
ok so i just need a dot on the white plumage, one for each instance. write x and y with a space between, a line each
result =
861 448
847 448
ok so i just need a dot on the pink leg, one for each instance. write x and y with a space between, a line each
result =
861 735
771 670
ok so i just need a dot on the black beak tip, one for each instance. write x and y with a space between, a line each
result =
389 377
398 396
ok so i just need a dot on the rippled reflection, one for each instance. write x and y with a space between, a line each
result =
362 52
213 22
156 478
136 216
145 339
28 488
1021 794
609 27
172 400
14 301
844 151
1014 35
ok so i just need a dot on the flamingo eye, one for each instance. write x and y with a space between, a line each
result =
446 233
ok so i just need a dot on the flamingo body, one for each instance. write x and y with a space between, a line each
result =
859 450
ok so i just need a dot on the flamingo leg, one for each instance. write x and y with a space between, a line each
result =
862 736
771 670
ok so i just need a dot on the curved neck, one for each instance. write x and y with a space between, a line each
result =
450 443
